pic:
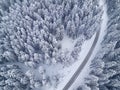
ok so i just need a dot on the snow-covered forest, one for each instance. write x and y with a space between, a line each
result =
41 40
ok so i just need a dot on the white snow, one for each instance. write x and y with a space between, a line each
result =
69 71
67 43
86 70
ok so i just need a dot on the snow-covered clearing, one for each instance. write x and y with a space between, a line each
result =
86 70
67 43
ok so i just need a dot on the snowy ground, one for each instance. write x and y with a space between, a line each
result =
69 71
86 70
67 43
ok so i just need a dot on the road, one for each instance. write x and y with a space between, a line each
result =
76 74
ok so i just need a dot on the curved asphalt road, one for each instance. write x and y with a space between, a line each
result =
76 74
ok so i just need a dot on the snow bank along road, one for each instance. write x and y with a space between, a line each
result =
76 74
98 35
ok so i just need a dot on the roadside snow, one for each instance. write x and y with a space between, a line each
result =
86 70
68 72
